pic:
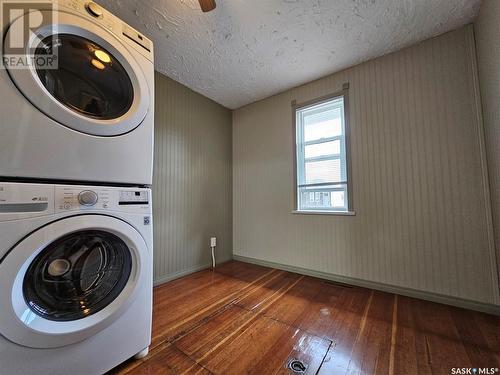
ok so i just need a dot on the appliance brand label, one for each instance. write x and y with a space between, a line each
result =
40 199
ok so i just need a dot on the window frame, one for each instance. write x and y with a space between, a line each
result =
344 93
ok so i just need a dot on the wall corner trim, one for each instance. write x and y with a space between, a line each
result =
479 122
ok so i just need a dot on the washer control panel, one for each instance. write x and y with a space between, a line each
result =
24 200
82 198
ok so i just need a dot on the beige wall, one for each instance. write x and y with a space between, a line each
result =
487 28
418 181
192 180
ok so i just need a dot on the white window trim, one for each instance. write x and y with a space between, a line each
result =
318 212
346 134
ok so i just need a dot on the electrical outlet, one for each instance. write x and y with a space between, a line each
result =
213 241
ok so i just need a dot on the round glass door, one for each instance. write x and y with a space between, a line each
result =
88 80
77 276
98 85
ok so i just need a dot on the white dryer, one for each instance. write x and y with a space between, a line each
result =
75 277
92 118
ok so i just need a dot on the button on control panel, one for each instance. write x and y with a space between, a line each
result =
94 9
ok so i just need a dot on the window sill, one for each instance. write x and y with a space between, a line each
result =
333 213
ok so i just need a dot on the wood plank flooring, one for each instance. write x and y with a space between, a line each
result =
247 319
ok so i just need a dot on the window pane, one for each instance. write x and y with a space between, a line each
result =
323 198
323 149
324 125
323 171
321 156
338 198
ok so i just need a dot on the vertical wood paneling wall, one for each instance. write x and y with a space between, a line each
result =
192 193
418 182
487 27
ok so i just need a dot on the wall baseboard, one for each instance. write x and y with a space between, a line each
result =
187 271
429 296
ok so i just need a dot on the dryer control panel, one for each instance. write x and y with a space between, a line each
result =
101 16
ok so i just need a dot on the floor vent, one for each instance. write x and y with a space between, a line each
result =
297 366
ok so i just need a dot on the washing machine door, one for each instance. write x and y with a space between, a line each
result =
69 280
98 87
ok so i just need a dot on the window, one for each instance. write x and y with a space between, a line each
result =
322 168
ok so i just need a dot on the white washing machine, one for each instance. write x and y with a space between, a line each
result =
75 277
92 118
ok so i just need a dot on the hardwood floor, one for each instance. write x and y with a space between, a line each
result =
247 319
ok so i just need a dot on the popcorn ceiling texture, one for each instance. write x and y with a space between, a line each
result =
246 50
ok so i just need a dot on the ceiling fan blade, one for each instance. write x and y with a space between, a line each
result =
207 5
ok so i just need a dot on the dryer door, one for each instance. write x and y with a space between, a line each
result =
98 86
70 279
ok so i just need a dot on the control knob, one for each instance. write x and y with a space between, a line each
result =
87 198
94 9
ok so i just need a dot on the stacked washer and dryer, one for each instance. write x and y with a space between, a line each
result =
76 158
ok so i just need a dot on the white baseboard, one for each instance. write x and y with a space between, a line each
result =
429 296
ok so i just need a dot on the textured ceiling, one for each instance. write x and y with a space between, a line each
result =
246 50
